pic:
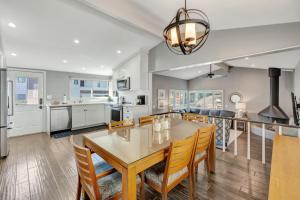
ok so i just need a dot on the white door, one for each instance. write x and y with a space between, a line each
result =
28 102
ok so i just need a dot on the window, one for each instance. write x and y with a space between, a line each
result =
178 99
208 99
89 88
27 90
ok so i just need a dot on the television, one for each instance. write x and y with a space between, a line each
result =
296 106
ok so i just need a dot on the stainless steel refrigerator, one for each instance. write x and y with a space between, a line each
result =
3 114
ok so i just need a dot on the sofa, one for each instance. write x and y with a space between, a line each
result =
218 121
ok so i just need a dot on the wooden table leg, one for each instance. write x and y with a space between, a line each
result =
129 183
212 154
78 194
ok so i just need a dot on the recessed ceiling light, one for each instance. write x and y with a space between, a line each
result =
247 58
11 25
64 61
13 54
83 68
76 41
119 51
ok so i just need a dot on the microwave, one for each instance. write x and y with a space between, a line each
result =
123 84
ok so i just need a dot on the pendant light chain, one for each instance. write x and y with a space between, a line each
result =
185 9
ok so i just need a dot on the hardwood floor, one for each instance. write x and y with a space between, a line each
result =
256 147
39 167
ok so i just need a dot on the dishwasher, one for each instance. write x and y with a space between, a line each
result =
61 118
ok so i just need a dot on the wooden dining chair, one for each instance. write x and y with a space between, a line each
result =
96 181
164 176
146 120
195 117
204 139
120 124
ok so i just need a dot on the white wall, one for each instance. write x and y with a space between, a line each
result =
254 86
297 81
136 68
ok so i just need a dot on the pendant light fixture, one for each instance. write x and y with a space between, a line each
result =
187 31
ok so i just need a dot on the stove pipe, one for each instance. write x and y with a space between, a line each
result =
273 110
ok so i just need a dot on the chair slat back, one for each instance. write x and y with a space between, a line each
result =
180 155
146 120
204 138
86 170
120 124
195 117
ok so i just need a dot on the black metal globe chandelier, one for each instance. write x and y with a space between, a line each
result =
187 32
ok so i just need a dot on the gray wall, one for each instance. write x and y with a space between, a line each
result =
58 83
253 84
227 44
164 82
297 81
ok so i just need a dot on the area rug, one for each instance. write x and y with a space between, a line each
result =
66 133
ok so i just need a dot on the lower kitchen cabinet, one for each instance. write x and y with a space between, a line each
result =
136 111
87 115
78 116
107 111
94 114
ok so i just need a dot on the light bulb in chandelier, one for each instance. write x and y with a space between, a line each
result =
174 38
190 34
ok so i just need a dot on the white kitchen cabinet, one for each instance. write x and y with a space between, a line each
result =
137 111
107 111
87 115
78 116
94 114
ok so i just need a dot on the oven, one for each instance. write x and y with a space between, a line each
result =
116 113
123 84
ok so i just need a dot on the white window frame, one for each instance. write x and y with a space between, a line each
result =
110 91
206 91
182 106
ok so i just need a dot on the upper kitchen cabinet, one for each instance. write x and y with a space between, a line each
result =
136 69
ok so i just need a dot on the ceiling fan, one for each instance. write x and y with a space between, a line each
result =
211 75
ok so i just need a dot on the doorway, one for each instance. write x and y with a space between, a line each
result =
27 115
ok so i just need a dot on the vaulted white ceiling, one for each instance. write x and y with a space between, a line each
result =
45 31
286 60
154 15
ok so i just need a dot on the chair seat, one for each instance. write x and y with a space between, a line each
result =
156 174
112 184
100 164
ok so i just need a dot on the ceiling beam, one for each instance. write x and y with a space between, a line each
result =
128 13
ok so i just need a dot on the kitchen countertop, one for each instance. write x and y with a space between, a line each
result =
132 105
78 104
89 103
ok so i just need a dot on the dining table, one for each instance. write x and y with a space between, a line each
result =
132 150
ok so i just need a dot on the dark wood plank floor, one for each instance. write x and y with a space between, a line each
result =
39 167
255 149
